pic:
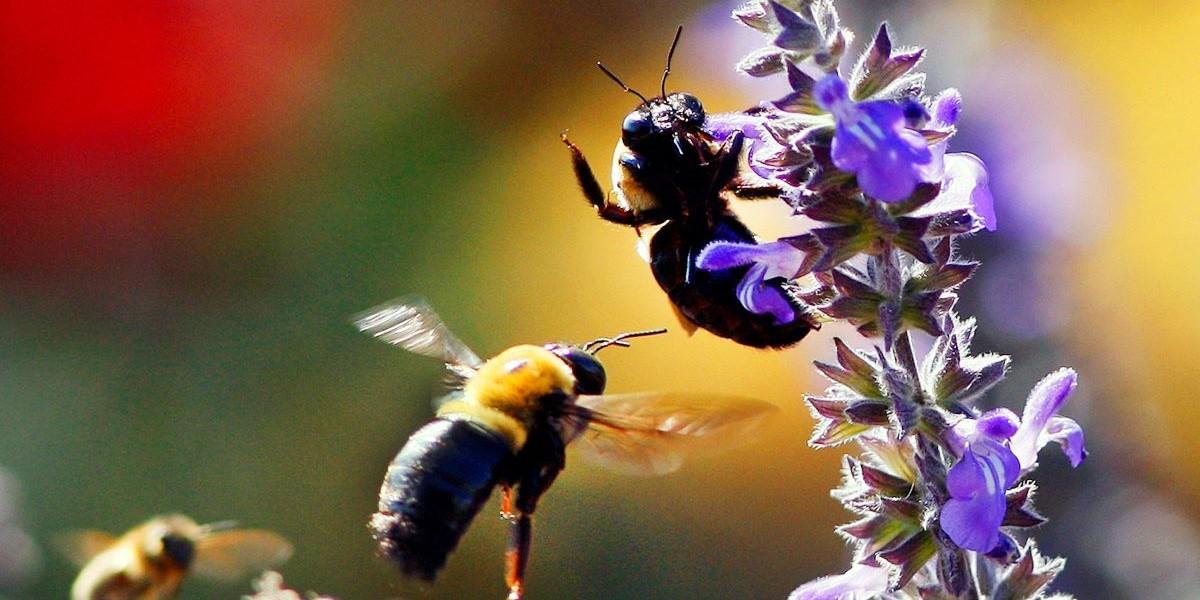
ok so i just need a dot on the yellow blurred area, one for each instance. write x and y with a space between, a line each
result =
1138 288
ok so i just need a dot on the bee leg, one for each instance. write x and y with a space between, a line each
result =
506 503
744 189
583 173
516 558
594 193
729 158
548 446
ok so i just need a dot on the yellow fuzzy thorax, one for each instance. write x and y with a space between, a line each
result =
504 394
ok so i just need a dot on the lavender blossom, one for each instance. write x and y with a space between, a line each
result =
269 586
769 261
1041 424
861 581
872 141
937 488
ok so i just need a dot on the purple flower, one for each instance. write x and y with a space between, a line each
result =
987 467
978 481
872 142
964 187
1040 423
770 261
964 179
859 583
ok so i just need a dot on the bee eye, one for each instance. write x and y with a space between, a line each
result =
179 549
589 373
637 126
688 107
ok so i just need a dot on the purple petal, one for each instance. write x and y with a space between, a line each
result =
761 298
887 116
726 255
973 524
899 158
893 171
966 478
780 258
946 109
722 125
964 186
832 95
849 153
861 581
1001 460
977 484
998 424
1068 434
1044 401
871 141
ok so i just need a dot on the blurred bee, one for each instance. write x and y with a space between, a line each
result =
507 424
150 561
668 169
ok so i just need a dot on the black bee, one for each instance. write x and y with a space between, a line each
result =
668 170
507 424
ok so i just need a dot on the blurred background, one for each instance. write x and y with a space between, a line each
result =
194 198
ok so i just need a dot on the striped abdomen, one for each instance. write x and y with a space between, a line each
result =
434 487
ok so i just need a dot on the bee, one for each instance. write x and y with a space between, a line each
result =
150 561
667 169
507 424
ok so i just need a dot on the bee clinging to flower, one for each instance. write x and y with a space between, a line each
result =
669 170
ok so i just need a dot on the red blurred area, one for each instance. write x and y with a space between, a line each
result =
109 107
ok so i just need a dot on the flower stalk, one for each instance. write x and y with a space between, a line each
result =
937 487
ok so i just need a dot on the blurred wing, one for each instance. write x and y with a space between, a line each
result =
410 323
80 547
236 554
650 433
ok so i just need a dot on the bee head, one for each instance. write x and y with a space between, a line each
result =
653 124
172 539
179 549
589 373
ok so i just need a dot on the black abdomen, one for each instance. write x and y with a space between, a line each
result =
434 488
709 298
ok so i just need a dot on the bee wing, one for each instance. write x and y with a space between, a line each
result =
650 433
80 547
410 323
233 555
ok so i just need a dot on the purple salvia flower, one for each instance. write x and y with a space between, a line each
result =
1040 423
887 145
859 583
964 179
768 261
872 142
978 481
964 187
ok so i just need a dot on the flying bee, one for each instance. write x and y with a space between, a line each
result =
667 169
507 423
150 561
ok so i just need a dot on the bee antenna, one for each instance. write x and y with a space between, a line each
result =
670 55
218 526
614 77
599 344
